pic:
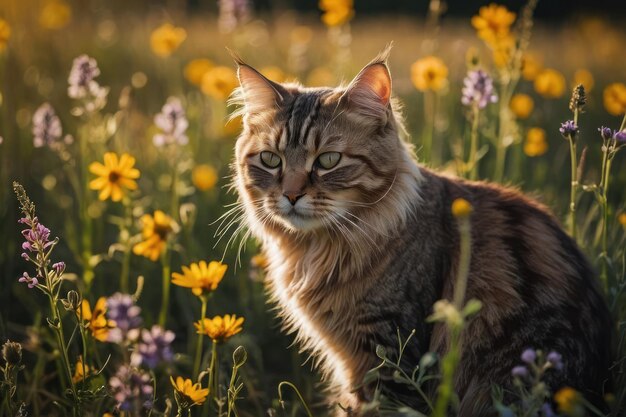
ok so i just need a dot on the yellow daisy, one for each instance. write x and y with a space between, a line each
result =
195 70
220 329
204 177
493 22
200 277
536 144
189 393
429 73
568 400
336 12
115 176
55 14
165 39
5 34
155 231
97 323
550 83
219 82
82 371
614 98
522 105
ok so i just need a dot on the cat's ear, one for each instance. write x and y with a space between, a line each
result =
257 92
369 93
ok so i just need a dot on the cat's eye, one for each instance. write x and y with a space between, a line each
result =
329 160
270 159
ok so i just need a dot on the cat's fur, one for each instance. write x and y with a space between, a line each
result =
372 244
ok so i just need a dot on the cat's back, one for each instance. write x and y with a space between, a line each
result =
537 288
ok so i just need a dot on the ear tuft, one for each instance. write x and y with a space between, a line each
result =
259 94
370 91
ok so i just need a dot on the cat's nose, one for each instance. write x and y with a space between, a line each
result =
293 197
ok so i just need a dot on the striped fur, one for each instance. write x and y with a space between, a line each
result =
372 245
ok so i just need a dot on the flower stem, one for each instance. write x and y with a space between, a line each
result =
165 299
473 164
213 383
88 273
198 359
127 248
293 387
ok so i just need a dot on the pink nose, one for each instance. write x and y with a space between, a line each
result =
293 197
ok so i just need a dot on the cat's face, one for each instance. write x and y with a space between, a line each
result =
313 159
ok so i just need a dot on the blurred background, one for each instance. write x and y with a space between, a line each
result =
148 51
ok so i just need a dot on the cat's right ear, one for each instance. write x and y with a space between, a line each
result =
258 93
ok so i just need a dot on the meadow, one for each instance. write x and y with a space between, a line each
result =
127 285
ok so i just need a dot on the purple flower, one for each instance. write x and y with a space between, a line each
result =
59 267
529 356
132 389
37 237
620 136
46 126
519 371
153 347
122 309
83 86
31 281
547 411
605 132
478 89
232 13
555 359
173 124
568 129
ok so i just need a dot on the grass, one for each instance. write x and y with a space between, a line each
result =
96 237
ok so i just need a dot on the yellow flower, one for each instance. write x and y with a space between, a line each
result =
155 232
82 371
503 50
204 177
274 73
195 70
259 261
568 400
429 73
622 219
114 177
320 77
219 82
461 208
535 144
5 34
493 22
220 329
55 14
188 392
584 77
165 39
550 83
531 66
522 105
200 277
336 12
445 311
614 98
97 323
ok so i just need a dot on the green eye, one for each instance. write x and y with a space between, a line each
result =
329 160
270 159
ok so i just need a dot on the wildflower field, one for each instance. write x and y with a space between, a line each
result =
129 284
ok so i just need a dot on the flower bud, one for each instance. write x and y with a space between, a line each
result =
73 301
12 353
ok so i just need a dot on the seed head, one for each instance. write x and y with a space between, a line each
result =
579 99
12 353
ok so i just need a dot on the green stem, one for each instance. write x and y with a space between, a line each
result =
605 222
464 262
198 359
214 377
293 387
473 164
574 179
127 248
88 273
165 299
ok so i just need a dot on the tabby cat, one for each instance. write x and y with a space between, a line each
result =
361 242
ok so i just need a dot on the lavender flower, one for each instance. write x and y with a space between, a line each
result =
547 411
37 237
568 129
620 136
31 281
153 347
555 359
519 371
83 86
58 267
131 388
478 89
605 132
232 13
172 122
46 126
122 309
529 356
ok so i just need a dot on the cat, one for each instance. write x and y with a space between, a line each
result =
360 242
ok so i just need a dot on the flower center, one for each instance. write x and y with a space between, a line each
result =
114 176
161 230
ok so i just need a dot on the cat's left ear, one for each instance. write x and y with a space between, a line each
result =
259 93
369 93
